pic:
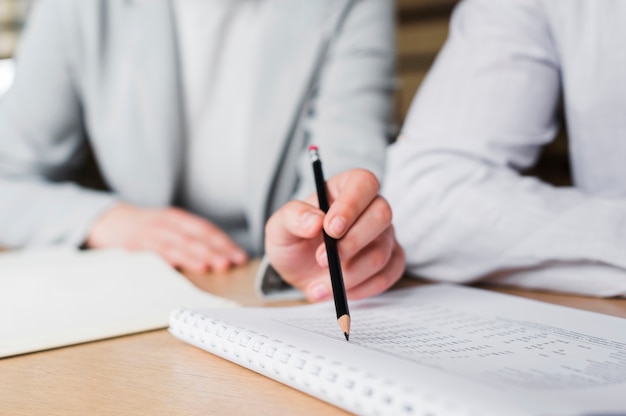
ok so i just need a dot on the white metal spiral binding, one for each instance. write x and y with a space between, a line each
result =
349 388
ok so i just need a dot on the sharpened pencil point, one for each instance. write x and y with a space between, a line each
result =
344 324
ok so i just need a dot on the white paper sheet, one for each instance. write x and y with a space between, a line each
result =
479 349
60 297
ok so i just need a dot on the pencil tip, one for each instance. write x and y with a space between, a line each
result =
344 324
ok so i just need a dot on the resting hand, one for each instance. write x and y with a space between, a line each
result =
359 218
185 240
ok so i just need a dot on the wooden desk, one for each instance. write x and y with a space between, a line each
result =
154 374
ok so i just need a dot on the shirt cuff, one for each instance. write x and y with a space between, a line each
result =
270 286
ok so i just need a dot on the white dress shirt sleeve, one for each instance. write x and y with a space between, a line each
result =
461 208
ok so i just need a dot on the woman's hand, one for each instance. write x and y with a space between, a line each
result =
186 241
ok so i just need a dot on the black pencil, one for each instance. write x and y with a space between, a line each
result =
334 265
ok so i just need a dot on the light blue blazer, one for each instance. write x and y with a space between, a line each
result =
105 74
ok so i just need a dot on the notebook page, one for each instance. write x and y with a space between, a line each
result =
60 297
486 347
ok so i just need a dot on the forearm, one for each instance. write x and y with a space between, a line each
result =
37 213
461 219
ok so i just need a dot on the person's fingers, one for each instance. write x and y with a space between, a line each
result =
291 235
318 288
382 262
183 239
293 222
383 280
351 193
210 257
203 231
175 256
373 222
369 261
193 254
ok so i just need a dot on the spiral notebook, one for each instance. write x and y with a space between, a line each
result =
432 350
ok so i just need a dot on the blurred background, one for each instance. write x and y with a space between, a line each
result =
422 28
12 16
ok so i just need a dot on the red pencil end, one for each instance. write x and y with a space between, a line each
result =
313 154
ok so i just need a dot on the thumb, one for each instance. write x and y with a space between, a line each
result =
292 223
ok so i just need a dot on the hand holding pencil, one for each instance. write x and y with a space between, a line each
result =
332 253
359 218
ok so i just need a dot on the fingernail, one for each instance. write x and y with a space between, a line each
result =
308 220
238 257
221 264
337 226
322 257
319 292
198 267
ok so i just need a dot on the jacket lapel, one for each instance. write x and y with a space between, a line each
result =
292 49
